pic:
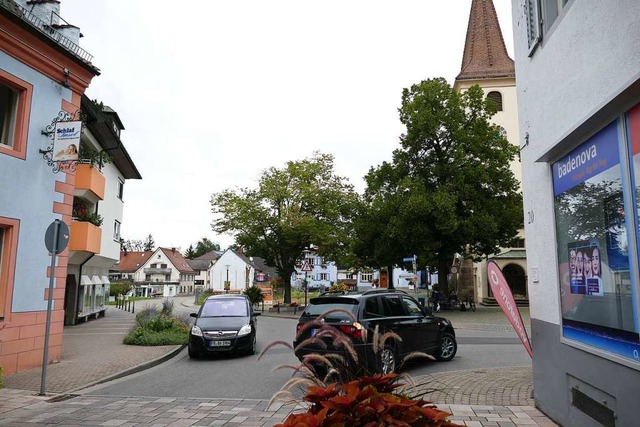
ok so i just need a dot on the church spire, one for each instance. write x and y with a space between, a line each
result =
485 55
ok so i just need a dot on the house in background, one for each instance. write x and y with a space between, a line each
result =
163 271
99 189
486 63
315 271
201 266
44 71
578 72
233 272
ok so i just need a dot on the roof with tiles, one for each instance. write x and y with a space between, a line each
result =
130 262
485 55
176 258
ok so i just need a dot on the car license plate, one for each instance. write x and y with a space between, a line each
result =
220 343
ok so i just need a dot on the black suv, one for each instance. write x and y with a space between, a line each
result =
383 326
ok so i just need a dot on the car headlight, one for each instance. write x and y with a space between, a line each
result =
245 330
196 331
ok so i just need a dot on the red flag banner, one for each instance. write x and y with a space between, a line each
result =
503 295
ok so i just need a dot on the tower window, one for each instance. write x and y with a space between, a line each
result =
497 98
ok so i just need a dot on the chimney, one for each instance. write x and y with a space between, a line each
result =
173 249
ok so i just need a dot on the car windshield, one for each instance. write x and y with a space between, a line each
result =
224 307
320 306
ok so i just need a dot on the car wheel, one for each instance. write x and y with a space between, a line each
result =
448 347
388 360
193 354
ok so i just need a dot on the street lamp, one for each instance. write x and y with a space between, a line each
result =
227 285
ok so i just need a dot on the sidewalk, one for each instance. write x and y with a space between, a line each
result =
93 353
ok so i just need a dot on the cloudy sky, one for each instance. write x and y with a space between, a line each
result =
213 92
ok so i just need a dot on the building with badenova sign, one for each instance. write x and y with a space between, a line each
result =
578 74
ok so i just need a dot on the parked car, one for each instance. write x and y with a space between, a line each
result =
360 315
224 324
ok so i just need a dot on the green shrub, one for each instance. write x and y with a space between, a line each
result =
119 289
155 327
203 296
254 294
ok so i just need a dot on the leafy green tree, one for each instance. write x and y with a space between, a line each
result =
447 189
149 244
205 245
303 203
190 253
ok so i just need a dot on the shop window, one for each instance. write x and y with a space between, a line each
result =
592 223
15 105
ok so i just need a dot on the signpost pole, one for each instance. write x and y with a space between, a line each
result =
45 358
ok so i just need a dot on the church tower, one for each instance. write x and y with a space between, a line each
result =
486 63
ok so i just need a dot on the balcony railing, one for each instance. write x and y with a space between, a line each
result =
47 30
157 271
84 237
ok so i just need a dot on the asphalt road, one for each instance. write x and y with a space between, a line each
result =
249 378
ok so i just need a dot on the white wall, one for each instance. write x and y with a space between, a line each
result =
237 272
587 59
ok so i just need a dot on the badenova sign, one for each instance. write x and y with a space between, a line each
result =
595 156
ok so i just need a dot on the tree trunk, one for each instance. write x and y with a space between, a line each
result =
390 277
443 272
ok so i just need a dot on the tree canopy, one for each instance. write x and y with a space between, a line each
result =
301 204
147 244
202 247
448 188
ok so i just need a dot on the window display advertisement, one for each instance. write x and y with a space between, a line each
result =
598 296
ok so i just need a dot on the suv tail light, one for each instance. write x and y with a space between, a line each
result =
353 331
299 328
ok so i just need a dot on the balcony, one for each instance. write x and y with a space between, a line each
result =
90 183
84 237
157 271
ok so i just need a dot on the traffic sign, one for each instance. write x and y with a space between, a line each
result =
56 238
306 267
407 259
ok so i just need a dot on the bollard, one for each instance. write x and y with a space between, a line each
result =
128 305
295 309
133 309
278 304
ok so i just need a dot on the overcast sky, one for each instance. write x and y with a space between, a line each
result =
212 92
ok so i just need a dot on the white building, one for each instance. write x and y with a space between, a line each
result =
315 271
233 272
99 188
578 73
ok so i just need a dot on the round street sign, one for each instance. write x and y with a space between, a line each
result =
63 237
454 269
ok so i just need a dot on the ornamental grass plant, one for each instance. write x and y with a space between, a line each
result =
339 391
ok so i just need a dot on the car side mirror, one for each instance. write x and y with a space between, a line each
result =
193 314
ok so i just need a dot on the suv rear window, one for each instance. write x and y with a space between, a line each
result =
319 306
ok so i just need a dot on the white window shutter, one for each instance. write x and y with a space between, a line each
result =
534 21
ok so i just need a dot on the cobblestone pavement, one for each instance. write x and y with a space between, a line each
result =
479 397
19 409
93 352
